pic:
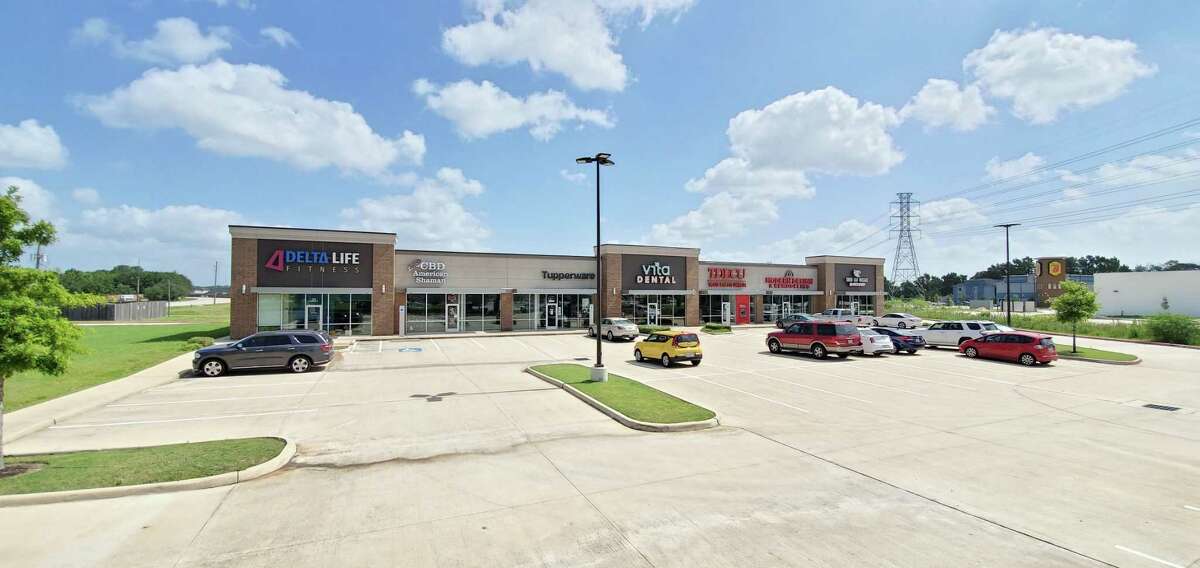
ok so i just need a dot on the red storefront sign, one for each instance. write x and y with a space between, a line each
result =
789 281
720 277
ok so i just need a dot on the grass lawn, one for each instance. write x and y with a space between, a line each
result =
629 397
1091 353
135 466
110 352
207 313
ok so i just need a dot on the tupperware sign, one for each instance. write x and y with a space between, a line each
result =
314 264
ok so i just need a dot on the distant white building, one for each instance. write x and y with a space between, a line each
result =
1148 293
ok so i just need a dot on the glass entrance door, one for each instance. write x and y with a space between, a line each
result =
312 317
652 313
787 309
551 315
452 319
725 313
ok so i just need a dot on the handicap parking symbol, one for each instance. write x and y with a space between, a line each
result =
410 349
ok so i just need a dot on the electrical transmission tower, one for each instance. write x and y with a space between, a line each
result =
904 211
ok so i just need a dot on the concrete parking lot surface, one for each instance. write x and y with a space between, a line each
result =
443 453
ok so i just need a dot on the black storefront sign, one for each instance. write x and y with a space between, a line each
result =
310 264
854 278
643 272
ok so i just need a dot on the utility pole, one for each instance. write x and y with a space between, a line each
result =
904 265
214 288
168 296
1007 276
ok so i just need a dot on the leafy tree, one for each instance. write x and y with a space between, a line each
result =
123 279
1167 266
1092 264
1022 265
950 280
34 335
1075 304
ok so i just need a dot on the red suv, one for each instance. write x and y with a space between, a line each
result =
1022 346
818 338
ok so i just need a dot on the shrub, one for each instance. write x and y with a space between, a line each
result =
712 327
652 328
200 341
1172 328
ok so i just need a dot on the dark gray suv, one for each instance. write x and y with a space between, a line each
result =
296 351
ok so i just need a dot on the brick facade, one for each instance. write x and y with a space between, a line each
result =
611 297
691 303
506 311
383 279
759 306
243 277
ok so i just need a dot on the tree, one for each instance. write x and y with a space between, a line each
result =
34 335
1092 264
1167 266
1022 265
1075 304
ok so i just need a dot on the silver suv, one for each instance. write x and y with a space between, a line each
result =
297 351
612 328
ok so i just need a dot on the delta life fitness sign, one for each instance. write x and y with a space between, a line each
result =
314 264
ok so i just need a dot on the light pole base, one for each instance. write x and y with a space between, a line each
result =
599 374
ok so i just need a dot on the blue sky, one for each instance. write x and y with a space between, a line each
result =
144 128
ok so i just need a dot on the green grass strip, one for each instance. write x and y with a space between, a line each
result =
627 396
1091 353
135 466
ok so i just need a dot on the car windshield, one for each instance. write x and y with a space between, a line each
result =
990 327
622 322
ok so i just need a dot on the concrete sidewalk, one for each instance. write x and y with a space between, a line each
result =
31 419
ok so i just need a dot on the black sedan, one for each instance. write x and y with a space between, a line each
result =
907 343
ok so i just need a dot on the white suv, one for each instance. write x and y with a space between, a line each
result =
612 328
952 333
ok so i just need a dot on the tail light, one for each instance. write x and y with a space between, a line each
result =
855 340
326 347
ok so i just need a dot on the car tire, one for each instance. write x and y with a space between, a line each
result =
695 362
774 346
610 335
591 332
300 364
971 352
1028 359
875 323
213 368
819 351
666 360
637 355
912 352
843 355
902 325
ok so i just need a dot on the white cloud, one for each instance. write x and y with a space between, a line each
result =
479 110
1046 71
942 102
774 149
1000 170
175 40
573 177
86 196
280 36
953 213
569 37
243 4
432 215
246 110
31 145
1150 169
819 240
139 228
38 202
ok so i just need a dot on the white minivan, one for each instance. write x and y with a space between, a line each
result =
952 333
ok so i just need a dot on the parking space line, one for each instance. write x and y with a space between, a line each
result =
1147 556
771 400
840 378
188 388
803 386
167 420
1191 508
123 405
380 350
478 344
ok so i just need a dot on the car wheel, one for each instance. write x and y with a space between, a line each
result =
610 336
637 354
878 354
875 323
902 325
819 351
213 368
300 364
695 362
591 332
666 360
971 352
775 346
912 351
1028 359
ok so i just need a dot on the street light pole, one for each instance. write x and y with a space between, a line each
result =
1007 276
599 373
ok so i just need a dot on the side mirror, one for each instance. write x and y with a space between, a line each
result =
239 346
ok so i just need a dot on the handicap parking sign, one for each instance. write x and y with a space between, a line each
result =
410 350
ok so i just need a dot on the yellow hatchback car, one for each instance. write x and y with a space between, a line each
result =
669 347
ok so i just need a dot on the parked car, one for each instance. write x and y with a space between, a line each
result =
669 347
1024 347
899 320
953 333
790 319
297 351
612 328
875 343
818 338
843 314
902 341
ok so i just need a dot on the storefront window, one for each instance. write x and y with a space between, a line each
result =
779 305
339 314
671 308
270 311
864 304
523 308
573 311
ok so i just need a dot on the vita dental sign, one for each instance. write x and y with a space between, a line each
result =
656 273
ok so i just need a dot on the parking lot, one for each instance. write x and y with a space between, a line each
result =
443 453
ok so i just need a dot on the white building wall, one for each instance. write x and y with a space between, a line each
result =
1142 293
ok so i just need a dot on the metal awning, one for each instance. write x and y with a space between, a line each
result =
556 290
297 290
457 290
657 292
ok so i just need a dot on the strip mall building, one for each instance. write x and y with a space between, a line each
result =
359 283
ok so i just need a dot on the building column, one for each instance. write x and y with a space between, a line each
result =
881 296
243 277
506 311
759 316
383 283
611 301
399 298
691 302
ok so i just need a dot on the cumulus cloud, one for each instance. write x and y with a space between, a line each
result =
35 200
998 169
953 213
31 145
175 40
86 196
280 36
1046 71
774 150
243 4
246 110
573 177
648 8
803 243
431 215
942 102
479 110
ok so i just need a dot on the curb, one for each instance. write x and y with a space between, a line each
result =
625 420
1062 357
221 479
